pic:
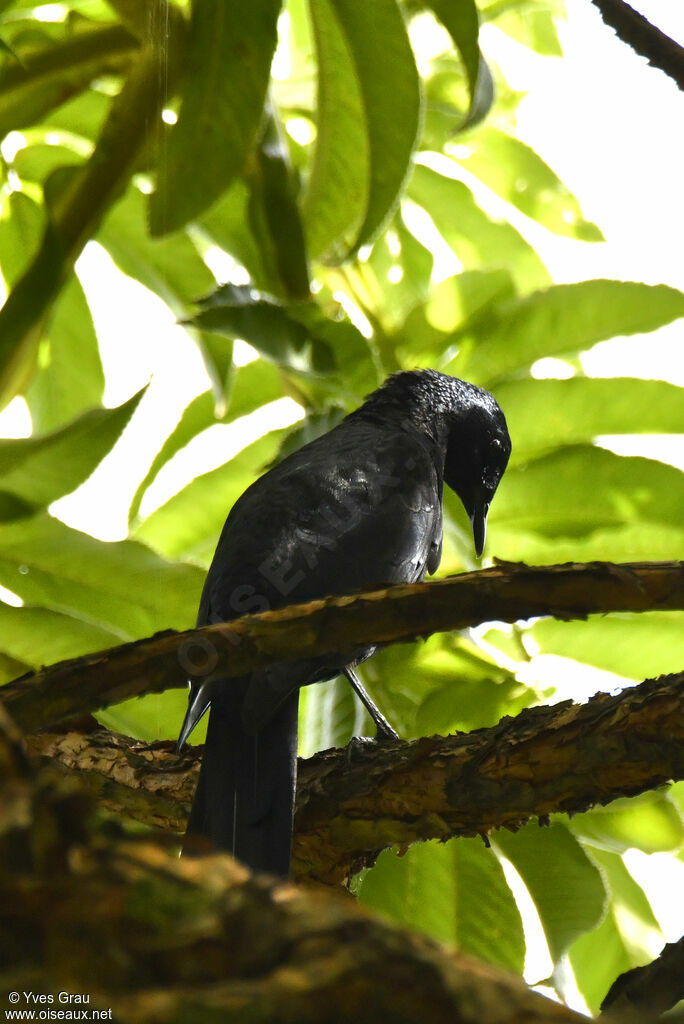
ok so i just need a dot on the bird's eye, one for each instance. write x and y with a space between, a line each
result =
495 443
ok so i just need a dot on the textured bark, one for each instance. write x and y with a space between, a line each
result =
353 804
652 989
505 592
156 939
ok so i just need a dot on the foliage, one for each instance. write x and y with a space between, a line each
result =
310 181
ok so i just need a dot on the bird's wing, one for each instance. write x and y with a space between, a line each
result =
336 520
340 518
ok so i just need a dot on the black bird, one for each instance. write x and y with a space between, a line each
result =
359 506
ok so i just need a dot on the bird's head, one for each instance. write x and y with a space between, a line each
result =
464 421
477 453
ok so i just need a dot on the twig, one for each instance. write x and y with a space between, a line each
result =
645 39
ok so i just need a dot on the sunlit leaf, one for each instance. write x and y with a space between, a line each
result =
651 822
566 887
391 101
171 267
227 64
579 489
455 892
38 470
69 378
636 646
477 240
582 408
21 225
515 172
337 194
40 636
189 523
123 587
253 385
330 714
273 209
638 541
562 320
462 22
239 312
47 77
628 937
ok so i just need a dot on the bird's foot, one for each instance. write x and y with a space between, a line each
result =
384 732
356 746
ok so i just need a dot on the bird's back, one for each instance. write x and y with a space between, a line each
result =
357 507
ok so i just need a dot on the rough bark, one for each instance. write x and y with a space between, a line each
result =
505 592
154 939
351 805
652 989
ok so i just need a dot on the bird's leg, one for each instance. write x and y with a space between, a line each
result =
383 729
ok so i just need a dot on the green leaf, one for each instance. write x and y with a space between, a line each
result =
617 543
228 60
391 101
50 75
455 892
189 523
579 489
156 716
566 887
582 408
478 241
230 224
424 339
462 22
121 587
636 646
21 225
564 319
516 173
628 937
171 267
238 312
83 115
329 715
650 822
253 385
76 209
337 194
40 636
69 378
273 210
397 275
38 470
534 28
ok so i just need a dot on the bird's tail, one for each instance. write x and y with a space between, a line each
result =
245 796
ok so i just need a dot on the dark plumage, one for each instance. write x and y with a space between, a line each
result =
359 506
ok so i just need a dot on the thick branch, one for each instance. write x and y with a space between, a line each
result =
562 758
645 39
154 939
506 592
652 989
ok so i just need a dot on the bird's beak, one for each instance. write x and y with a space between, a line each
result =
197 706
478 521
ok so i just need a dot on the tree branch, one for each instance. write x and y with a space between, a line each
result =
567 757
342 624
652 989
645 39
152 938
